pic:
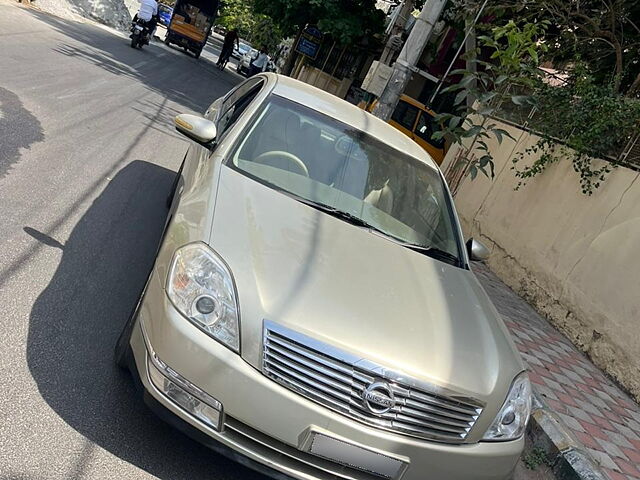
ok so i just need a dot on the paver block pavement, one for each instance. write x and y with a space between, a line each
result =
597 412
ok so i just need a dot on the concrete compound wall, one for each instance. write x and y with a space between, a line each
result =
575 258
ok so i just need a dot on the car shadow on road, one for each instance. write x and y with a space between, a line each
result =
75 321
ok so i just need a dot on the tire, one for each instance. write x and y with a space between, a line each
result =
122 353
167 41
238 69
197 54
134 41
174 187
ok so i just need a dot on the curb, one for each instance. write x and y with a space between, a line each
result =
568 459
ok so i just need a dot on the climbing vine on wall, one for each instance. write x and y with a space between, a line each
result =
582 121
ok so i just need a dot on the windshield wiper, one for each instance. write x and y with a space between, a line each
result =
432 252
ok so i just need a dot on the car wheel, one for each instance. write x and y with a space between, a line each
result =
238 69
197 54
167 42
174 187
122 354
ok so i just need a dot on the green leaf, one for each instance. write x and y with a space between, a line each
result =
442 117
460 97
500 79
520 99
473 171
454 122
505 133
438 135
467 80
475 130
484 160
451 88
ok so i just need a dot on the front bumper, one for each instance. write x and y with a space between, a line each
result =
266 423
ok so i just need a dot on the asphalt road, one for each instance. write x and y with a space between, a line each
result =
87 156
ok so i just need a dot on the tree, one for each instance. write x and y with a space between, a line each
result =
346 21
604 34
511 69
258 29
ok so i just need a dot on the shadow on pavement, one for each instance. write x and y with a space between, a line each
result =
19 129
195 84
77 318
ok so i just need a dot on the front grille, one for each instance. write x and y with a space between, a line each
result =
339 380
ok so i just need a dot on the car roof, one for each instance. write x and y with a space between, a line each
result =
347 113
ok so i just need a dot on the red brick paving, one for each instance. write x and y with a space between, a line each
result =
577 383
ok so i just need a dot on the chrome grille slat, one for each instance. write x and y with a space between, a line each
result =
304 352
428 408
293 365
434 418
318 385
338 380
278 353
457 406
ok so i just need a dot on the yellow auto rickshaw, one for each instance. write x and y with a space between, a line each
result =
416 121
191 24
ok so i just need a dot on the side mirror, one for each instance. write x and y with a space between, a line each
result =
477 251
196 128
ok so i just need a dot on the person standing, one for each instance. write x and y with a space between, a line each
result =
260 63
227 46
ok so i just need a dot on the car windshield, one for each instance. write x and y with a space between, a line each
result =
347 173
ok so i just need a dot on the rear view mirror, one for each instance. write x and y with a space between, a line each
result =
196 128
477 251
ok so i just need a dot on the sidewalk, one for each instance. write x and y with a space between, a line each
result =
604 419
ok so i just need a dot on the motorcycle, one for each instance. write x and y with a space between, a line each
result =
140 33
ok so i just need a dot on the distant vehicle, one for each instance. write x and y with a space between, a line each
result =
271 67
191 24
244 65
219 29
140 33
239 52
164 14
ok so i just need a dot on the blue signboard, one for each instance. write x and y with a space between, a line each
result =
309 42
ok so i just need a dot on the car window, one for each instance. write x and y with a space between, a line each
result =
405 114
425 127
235 103
316 158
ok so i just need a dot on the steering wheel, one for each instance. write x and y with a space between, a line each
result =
297 165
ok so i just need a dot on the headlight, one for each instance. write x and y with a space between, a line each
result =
514 414
201 287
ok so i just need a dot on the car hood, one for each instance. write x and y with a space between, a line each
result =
357 291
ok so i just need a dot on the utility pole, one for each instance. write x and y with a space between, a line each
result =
408 58
395 31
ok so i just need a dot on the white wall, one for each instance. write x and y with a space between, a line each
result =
575 258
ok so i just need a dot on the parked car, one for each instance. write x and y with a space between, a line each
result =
242 49
312 308
244 65
219 29
164 14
